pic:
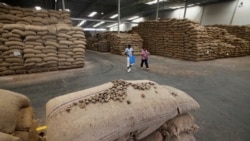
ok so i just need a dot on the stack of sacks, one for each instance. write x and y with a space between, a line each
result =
100 42
240 31
79 40
183 39
197 46
16 118
29 48
180 128
92 43
103 42
5 16
38 47
103 45
227 45
71 48
118 43
120 110
11 15
11 46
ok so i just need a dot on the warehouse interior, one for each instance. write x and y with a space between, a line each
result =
64 75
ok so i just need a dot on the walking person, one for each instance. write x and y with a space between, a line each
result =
129 52
144 57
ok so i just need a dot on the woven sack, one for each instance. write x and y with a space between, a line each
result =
114 111
8 137
24 119
155 136
10 103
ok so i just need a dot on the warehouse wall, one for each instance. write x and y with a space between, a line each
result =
218 13
242 14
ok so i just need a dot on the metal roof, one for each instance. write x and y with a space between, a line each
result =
104 8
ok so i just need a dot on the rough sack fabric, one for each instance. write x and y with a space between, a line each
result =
7 137
10 103
111 111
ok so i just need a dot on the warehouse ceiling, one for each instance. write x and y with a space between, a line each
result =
80 9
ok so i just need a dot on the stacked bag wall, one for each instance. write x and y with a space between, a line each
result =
38 40
186 39
30 49
240 31
28 16
115 43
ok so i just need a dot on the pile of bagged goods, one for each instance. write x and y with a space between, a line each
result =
138 110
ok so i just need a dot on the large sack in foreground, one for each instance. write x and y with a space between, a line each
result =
113 110
155 136
182 137
7 137
24 119
10 103
183 123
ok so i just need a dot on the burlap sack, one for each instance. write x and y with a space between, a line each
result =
32 37
13 43
7 137
27 33
50 43
180 124
80 42
10 104
33 60
155 136
182 137
63 35
33 28
13 26
24 119
30 135
18 31
65 42
78 50
3 48
62 27
3 68
108 112
23 135
14 60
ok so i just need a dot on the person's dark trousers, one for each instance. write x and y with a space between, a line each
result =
144 61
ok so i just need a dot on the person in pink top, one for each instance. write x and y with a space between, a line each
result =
144 57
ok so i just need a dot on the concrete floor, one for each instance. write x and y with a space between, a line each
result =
221 87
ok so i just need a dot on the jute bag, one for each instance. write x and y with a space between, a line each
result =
10 103
7 137
113 110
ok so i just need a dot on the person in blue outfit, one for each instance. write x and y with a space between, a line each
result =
129 53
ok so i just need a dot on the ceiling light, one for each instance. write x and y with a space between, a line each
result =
67 10
38 8
94 29
176 7
5 4
113 16
81 23
154 2
134 17
92 14
115 24
98 24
